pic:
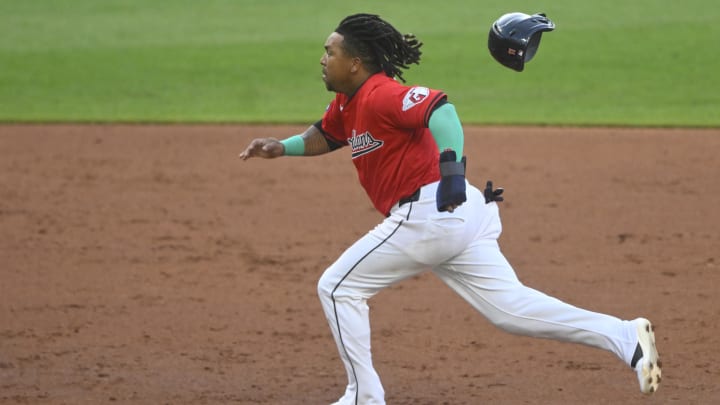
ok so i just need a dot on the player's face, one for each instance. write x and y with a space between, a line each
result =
337 65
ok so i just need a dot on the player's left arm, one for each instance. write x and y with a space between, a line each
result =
446 128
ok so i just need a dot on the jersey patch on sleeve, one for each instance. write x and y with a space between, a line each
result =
415 96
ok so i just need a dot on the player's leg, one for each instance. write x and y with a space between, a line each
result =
484 278
493 289
369 265
482 275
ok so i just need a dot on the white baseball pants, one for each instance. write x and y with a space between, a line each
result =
461 248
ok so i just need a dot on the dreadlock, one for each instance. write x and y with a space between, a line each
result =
378 44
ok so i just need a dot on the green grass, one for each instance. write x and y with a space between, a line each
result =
640 62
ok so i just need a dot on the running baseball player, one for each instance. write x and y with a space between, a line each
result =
406 143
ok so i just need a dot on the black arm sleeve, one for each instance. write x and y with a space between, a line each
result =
331 143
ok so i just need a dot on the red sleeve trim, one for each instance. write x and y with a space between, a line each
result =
439 96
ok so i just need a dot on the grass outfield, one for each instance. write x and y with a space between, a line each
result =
639 62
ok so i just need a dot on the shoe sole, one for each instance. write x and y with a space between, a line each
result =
650 368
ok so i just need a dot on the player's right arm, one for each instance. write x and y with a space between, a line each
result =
310 143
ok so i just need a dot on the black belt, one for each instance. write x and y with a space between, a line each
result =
411 198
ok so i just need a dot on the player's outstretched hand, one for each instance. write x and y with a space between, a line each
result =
492 195
267 148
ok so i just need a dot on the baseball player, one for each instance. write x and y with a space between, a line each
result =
406 143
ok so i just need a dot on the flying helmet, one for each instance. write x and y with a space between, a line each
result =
514 38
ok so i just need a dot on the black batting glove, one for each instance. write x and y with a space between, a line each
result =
451 190
492 195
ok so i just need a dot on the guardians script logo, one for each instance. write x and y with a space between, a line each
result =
363 143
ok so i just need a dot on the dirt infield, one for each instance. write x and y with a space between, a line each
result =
149 265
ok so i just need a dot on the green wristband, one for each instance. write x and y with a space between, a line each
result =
294 146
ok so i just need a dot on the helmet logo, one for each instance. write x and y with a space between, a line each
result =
514 52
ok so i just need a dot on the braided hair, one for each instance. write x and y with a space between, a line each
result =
378 44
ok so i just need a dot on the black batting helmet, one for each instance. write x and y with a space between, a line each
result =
514 38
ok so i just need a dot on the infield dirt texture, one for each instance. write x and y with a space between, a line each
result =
149 265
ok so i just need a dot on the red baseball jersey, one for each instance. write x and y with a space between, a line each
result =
385 123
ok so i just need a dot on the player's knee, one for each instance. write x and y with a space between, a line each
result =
331 287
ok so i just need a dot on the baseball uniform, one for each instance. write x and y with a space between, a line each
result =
385 124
